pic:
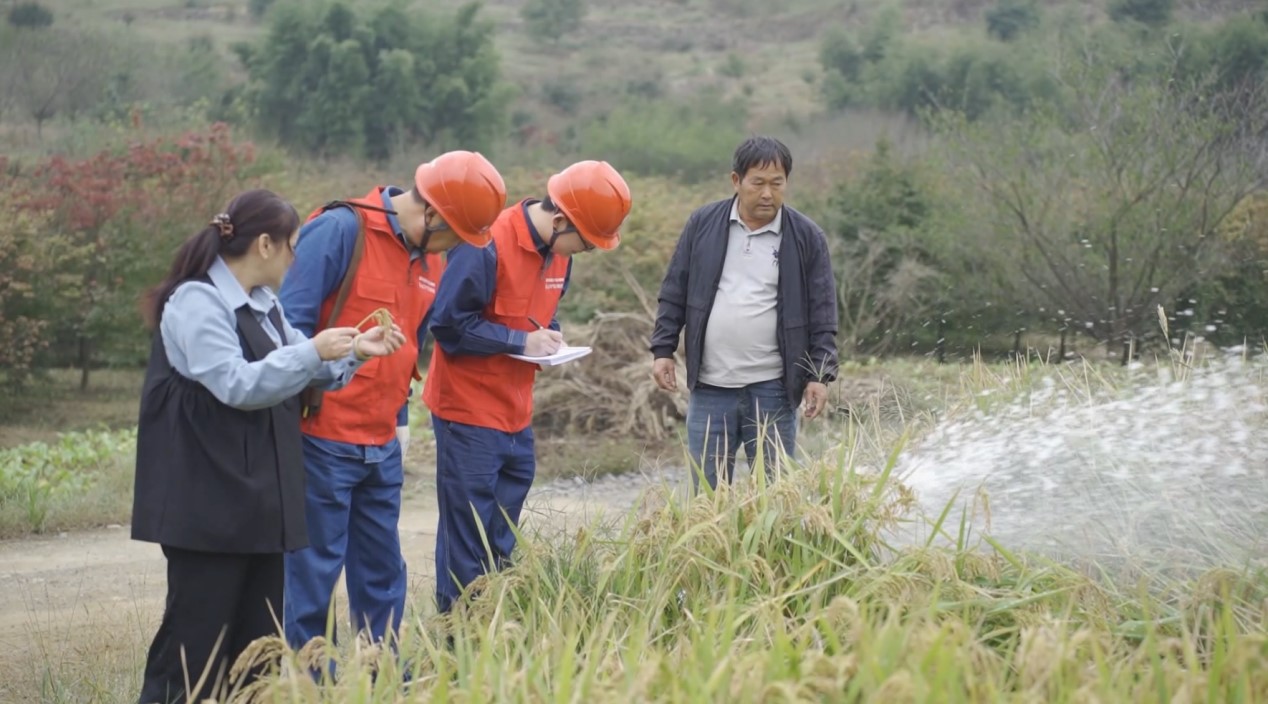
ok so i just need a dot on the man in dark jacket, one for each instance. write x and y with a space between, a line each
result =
751 281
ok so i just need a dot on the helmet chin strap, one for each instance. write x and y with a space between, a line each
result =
550 246
428 231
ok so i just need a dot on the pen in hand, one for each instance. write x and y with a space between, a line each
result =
551 343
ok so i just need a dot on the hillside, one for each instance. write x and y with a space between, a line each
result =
765 54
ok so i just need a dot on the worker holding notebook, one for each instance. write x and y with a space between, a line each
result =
494 324
366 262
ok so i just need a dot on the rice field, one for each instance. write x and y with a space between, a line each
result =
798 591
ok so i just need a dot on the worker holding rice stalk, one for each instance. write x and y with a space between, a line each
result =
219 475
751 282
375 258
492 303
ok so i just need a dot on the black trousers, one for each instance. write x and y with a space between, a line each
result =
209 594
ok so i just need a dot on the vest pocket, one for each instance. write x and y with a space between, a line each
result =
369 370
377 290
512 307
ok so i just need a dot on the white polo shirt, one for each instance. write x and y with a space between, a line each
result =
741 343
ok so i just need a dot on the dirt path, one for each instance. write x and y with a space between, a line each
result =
71 600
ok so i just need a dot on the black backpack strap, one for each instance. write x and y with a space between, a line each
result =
355 206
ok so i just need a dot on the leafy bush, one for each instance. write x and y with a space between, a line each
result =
846 59
553 18
35 475
1154 13
886 279
30 15
734 66
974 78
1236 52
562 93
1233 307
259 8
1010 18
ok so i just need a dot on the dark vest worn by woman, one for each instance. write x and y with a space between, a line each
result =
213 478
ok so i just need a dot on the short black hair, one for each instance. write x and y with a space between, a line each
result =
549 205
756 151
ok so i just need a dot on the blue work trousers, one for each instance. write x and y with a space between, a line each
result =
482 478
353 509
720 420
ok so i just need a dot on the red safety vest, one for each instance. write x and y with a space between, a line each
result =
496 391
364 412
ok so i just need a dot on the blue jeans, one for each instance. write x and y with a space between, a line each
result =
482 479
353 509
720 420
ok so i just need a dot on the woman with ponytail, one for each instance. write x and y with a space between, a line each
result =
219 470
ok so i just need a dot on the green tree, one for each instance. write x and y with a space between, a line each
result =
337 79
1238 53
843 63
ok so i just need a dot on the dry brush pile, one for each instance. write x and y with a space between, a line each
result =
611 391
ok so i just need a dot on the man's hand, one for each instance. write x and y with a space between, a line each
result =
665 374
543 343
402 436
815 399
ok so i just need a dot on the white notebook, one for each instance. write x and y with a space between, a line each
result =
563 356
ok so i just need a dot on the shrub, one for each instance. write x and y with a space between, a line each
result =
1154 13
33 476
30 15
1010 18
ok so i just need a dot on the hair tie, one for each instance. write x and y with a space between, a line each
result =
226 227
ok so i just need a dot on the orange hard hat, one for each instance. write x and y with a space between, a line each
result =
595 198
466 189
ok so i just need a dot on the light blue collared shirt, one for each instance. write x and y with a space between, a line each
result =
200 334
